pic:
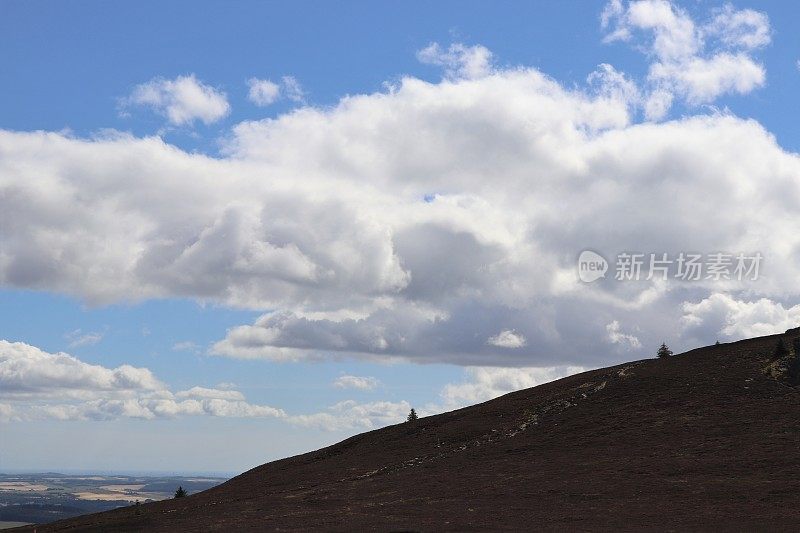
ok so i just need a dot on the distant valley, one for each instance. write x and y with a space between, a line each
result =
45 497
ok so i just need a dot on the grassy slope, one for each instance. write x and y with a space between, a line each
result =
701 440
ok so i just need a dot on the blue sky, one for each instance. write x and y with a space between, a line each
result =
264 250
72 62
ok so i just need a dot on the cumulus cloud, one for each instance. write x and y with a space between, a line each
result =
182 100
507 339
459 61
356 382
28 371
695 62
36 384
416 222
730 318
701 81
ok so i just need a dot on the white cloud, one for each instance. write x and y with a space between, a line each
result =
356 382
28 371
616 336
413 223
721 314
507 338
684 62
38 385
703 80
288 336
79 338
263 92
182 100
459 61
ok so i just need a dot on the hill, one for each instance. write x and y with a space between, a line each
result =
707 439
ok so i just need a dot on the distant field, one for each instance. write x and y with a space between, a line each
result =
9 525
42 498
21 486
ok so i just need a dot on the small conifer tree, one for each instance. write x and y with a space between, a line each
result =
664 351
181 492
412 416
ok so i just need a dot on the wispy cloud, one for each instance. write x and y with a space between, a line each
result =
266 92
616 336
356 382
186 346
293 90
78 338
263 92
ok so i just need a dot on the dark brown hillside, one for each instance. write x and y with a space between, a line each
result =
704 440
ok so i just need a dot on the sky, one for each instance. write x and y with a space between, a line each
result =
235 232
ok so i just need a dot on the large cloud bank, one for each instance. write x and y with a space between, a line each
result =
434 221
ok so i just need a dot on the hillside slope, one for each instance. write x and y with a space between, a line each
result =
706 439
